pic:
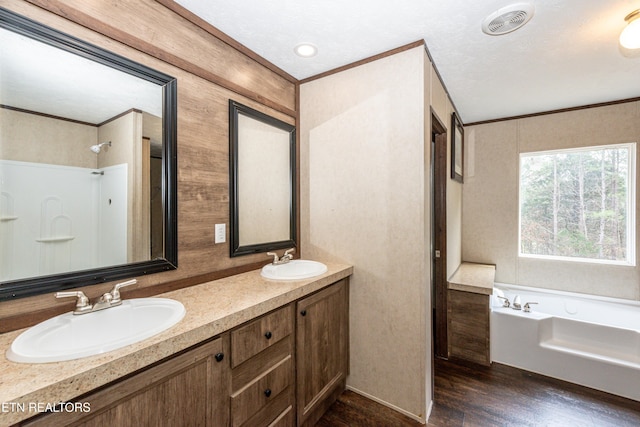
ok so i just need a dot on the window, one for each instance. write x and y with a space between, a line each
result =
579 204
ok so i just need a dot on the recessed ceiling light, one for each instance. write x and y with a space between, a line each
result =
306 50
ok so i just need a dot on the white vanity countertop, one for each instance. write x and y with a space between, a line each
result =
212 308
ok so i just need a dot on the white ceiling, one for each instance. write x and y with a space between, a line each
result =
566 56
72 86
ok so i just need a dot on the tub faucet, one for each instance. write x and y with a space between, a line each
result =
516 303
527 307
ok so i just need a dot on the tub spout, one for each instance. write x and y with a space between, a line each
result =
516 303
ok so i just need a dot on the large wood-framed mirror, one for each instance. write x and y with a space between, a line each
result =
262 181
87 163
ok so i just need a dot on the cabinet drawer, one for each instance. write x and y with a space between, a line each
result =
268 388
251 339
285 419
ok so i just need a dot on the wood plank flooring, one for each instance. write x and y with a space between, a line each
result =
474 395
354 410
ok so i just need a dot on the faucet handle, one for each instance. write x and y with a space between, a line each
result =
82 302
527 307
506 302
275 257
115 292
288 252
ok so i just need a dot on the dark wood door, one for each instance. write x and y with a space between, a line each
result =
439 242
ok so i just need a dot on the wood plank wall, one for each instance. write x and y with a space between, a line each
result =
211 68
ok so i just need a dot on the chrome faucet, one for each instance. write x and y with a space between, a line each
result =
285 258
506 302
107 300
516 303
527 307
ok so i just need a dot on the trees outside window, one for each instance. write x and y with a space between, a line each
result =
579 204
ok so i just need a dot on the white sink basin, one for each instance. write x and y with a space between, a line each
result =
294 270
70 336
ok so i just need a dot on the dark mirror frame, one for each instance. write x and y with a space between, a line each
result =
235 109
457 146
52 283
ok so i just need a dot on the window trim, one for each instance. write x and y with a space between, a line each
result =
632 238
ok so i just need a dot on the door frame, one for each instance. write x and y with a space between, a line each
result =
439 180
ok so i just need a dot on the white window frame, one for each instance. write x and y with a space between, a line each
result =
631 203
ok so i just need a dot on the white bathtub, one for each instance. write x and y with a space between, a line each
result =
592 341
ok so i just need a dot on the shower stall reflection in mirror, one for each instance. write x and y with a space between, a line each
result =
80 226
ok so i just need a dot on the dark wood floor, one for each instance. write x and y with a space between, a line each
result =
354 410
472 395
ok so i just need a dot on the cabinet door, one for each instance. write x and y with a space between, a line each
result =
468 326
322 350
191 389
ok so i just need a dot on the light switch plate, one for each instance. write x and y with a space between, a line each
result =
221 233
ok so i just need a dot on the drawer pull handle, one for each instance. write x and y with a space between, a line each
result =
219 357
268 335
303 312
267 392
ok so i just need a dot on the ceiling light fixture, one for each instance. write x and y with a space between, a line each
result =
630 36
306 50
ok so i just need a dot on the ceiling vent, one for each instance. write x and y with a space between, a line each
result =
507 19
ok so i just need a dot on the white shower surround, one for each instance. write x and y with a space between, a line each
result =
60 218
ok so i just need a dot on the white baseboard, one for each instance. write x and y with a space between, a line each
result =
389 405
430 409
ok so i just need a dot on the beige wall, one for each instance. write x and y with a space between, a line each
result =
34 138
128 147
490 196
122 132
365 154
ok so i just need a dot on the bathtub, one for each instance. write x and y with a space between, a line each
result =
591 341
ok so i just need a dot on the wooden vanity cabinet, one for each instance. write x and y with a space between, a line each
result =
190 389
262 362
322 350
282 369
469 326
469 313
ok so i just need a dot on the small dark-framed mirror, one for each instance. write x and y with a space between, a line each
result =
262 154
58 252
457 149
